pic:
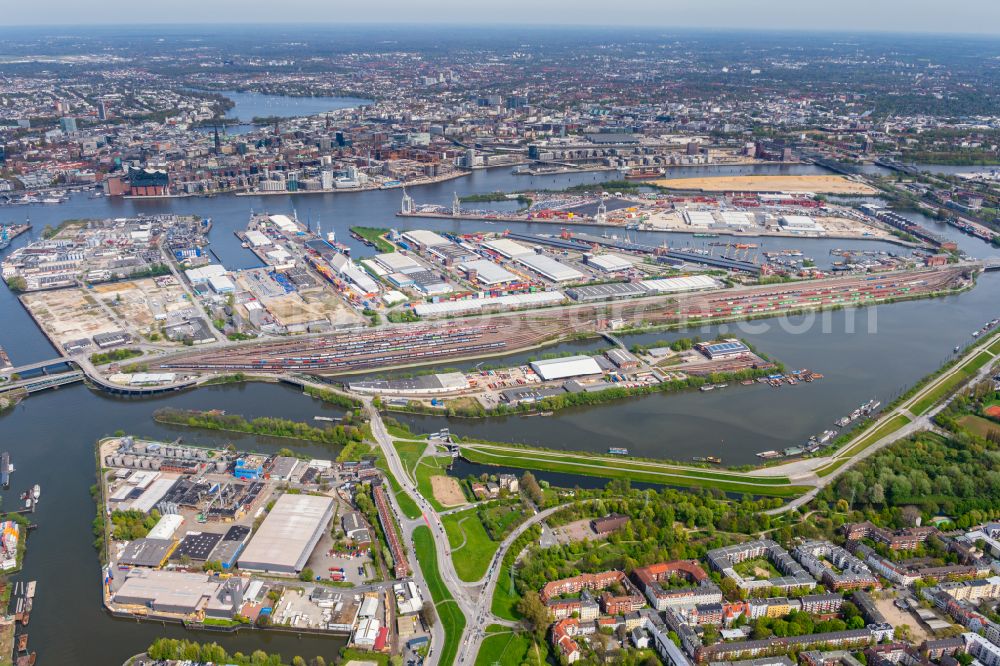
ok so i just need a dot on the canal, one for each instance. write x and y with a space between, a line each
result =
51 435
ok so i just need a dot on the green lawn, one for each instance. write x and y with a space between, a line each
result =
511 649
634 470
505 597
406 503
471 547
995 347
947 386
449 614
409 453
427 467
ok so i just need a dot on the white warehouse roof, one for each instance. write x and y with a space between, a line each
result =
200 275
736 219
288 534
688 283
699 218
799 222
283 222
425 238
535 299
561 368
166 526
550 268
257 238
397 262
609 263
488 273
507 247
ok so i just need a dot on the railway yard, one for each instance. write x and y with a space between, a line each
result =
417 344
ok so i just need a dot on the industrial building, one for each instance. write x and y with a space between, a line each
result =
487 273
549 268
507 248
181 593
562 368
288 534
608 263
800 223
724 349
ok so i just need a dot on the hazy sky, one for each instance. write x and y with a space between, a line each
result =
956 16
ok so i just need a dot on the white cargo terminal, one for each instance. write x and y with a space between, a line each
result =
288 535
563 368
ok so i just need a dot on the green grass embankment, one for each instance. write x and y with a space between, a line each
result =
625 468
449 614
471 547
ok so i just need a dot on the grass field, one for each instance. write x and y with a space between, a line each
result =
995 347
409 453
634 470
948 385
505 597
374 235
511 649
471 546
449 614
978 425
427 467
406 503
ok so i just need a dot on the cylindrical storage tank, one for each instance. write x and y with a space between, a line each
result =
154 463
128 461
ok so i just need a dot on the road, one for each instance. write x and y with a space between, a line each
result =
430 519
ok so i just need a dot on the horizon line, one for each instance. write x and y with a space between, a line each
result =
505 26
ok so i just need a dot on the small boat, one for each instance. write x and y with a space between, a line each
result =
5 469
714 459
618 450
769 454
707 388
27 503
36 492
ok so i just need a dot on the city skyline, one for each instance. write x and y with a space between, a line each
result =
920 16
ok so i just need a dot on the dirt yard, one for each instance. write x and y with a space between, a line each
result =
820 184
447 491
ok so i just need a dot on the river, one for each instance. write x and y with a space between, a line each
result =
51 435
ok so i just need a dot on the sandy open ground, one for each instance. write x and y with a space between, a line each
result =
819 184
447 491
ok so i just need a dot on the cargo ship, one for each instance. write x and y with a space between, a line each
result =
5 469
618 450
5 362
711 459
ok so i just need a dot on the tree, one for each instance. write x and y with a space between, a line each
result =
535 613
298 661
307 574
429 613
17 283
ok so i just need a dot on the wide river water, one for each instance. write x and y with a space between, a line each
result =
51 435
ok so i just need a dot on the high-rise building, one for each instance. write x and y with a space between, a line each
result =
67 124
